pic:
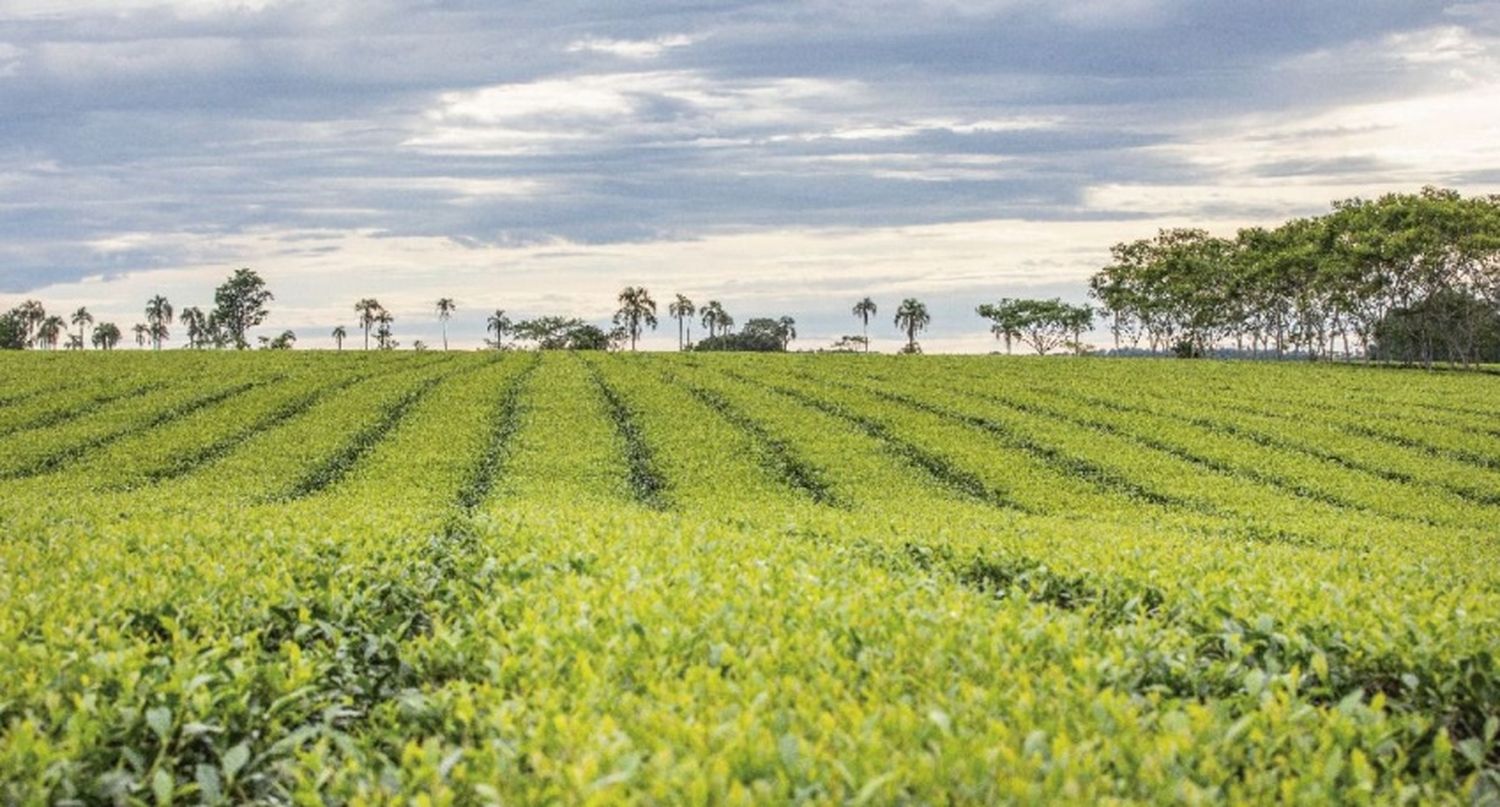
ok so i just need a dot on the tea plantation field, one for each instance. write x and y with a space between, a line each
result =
542 578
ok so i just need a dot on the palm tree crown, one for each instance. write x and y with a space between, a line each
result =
158 317
106 335
912 317
82 318
864 309
681 309
369 310
445 309
636 308
196 323
32 316
716 319
49 331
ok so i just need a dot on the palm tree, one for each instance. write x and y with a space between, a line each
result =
195 322
445 309
383 334
49 331
106 335
788 328
140 334
32 316
158 317
636 308
864 309
710 313
338 336
716 319
499 325
911 317
82 318
368 309
75 342
681 309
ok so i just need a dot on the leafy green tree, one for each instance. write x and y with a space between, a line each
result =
12 330
445 309
106 335
854 343
911 318
239 305
340 333
1042 324
760 334
637 309
864 310
82 318
589 337
285 341
787 330
548 332
141 331
1319 287
682 310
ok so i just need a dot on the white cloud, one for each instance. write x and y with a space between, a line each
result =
1291 162
678 105
630 48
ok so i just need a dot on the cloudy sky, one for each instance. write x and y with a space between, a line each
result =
783 157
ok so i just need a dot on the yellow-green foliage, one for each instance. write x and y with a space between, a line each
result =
523 578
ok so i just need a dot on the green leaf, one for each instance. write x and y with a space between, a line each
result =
210 787
234 760
159 719
162 786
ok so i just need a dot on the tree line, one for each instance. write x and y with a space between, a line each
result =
1411 277
239 305
1408 277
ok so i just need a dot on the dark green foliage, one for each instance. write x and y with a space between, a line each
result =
757 340
12 331
239 305
1449 326
1408 277
562 333
1042 324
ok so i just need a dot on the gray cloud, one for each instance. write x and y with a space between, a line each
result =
136 132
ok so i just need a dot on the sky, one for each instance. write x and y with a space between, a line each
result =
781 157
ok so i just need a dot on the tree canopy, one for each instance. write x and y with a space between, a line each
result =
239 305
1042 324
1318 286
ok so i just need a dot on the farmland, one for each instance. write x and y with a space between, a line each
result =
538 577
